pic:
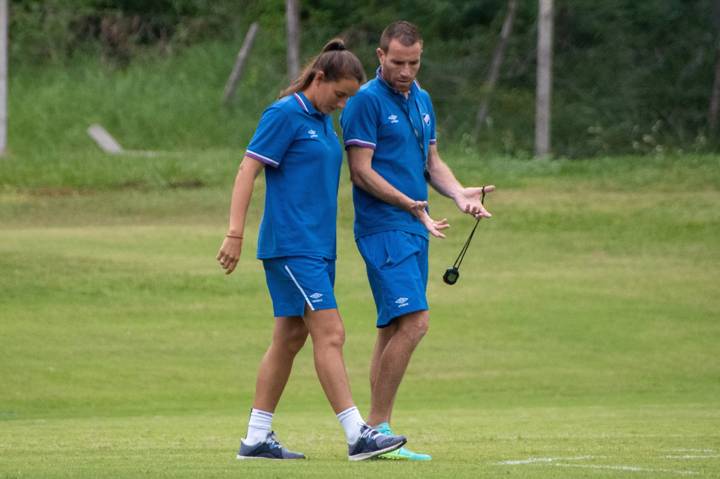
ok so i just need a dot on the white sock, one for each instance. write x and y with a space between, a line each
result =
259 426
351 421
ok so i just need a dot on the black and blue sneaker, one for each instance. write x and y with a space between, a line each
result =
270 448
372 443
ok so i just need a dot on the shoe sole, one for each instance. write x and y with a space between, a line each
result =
403 454
244 458
396 458
368 455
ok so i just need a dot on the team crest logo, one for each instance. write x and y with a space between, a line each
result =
401 302
312 133
316 297
393 119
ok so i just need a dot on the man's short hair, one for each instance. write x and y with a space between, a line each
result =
404 32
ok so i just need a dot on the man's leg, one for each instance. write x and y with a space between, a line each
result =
397 265
391 356
383 337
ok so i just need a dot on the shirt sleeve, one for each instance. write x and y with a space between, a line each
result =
433 136
272 137
359 123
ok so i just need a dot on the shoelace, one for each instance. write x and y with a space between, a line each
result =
273 441
369 433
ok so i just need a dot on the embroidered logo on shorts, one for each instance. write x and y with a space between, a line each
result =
401 302
312 133
316 297
393 119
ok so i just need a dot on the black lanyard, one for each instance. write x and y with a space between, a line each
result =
420 138
452 274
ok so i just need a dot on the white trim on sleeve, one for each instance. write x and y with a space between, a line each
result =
359 142
261 158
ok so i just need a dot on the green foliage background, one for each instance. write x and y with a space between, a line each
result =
630 77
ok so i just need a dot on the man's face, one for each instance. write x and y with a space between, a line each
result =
400 64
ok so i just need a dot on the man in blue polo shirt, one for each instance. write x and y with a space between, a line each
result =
389 134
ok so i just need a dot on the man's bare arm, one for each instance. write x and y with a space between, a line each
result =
365 177
443 180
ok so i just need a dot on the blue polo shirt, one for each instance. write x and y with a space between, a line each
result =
400 131
303 151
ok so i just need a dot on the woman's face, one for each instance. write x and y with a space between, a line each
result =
328 96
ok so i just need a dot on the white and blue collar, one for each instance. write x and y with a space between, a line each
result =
306 104
415 85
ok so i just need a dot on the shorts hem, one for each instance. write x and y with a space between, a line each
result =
404 313
302 314
323 307
276 315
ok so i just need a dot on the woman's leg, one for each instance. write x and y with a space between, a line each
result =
328 337
289 337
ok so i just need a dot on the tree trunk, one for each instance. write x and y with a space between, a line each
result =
497 60
3 74
292 14
715 94
543 101
714 98
239 63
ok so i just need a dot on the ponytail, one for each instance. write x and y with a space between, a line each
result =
335 61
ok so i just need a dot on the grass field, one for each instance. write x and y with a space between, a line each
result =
581 341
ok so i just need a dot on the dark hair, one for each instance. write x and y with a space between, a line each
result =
335 61
402 31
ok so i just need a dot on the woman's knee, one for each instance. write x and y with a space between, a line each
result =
291 339
326 328
332 337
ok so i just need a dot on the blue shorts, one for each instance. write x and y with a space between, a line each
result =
297 282
397 268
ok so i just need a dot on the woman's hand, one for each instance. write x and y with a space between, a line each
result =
229 253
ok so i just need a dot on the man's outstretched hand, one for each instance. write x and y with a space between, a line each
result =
468 200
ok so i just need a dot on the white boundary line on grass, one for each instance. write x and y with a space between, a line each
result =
692 450
692 457
625 468
537 460
699 454
553 461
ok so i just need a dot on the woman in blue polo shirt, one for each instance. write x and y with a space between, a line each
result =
297 146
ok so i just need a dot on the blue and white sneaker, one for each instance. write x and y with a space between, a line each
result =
403 453
270 448
372 443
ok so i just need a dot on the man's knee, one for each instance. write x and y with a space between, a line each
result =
415 325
